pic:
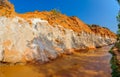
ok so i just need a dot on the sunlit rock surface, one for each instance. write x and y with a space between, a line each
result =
21 41
42 36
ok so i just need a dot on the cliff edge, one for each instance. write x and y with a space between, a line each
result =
42 36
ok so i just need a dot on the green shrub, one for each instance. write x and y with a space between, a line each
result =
117 45
55 11
115 67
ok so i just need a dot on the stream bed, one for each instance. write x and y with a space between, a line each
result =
87 63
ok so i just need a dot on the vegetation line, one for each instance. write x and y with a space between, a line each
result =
114 65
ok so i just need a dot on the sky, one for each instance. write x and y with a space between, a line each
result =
100 12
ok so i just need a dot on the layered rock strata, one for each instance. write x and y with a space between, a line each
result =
38 37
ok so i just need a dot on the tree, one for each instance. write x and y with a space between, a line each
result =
118 19
118 1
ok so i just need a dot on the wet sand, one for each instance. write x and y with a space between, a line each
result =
92 63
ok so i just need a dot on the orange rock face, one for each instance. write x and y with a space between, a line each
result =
43 36
103 31
73 23
6 8
55 17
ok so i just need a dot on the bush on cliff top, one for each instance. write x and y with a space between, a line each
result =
55 11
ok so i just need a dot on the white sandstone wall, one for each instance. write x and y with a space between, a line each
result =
21 41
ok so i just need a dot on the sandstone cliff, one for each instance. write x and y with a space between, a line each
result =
42 36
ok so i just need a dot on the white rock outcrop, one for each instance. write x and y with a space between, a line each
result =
21 41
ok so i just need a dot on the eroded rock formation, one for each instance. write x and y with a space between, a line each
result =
6 8
42 36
